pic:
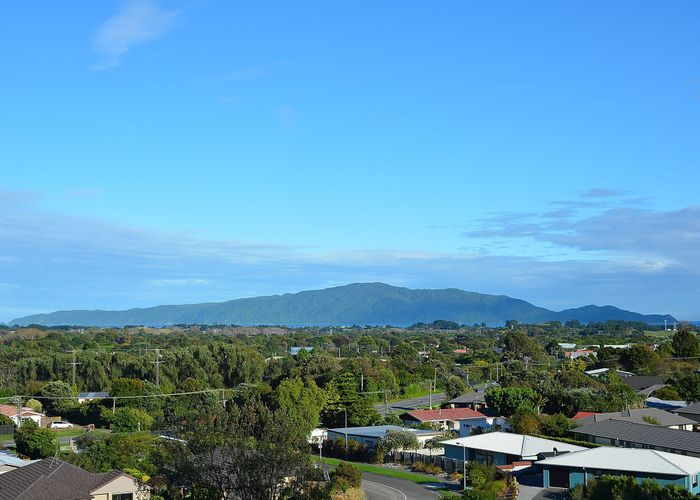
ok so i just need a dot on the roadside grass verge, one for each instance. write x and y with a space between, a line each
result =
385 471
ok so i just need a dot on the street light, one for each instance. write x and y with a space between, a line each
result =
464 465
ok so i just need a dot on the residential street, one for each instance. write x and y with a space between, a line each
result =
388 488
410 404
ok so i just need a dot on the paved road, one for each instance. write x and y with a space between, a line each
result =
410 404
389 488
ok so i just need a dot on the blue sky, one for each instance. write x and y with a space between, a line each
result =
172 152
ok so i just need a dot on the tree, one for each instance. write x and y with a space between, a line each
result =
397 441
35 442
506 400
557 425
525 421
688 386
34 405
455 386
61 392
128 420
685 343
303 400
346 474
642 360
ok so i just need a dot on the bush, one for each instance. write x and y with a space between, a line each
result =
35 442
478 495
34 405
479 474
347 473
127 420
426 468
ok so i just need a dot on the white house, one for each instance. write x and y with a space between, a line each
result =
27 414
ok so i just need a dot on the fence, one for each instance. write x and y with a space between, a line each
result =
7 429
448 465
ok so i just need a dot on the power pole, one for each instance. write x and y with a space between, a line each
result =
386 402
157 362
362 382
74 364
19 412
430 395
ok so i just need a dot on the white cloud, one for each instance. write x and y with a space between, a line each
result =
138 21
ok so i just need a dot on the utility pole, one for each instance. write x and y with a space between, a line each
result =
430 395
527 362
386 402
362 382
346 432
74 364
157 362
223 398
19 412
467 377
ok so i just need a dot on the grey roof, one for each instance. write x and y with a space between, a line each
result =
665 418
377 431
639 382
51 479
652 435
651 389
87 395
628 460
6 459
693 409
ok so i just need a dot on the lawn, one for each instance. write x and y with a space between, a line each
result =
385 471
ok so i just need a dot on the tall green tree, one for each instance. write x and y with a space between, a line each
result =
685 343
35 442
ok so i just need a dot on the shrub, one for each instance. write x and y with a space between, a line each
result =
348 473
33 441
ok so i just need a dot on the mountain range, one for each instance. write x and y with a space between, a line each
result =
354 304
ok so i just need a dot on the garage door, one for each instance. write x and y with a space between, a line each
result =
558 477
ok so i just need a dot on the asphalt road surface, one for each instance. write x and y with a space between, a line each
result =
390 488
410 404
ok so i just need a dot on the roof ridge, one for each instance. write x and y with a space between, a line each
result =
657 453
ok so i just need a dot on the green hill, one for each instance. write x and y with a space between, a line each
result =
355 304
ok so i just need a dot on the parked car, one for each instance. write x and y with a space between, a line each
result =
61 424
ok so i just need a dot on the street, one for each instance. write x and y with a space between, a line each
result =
410 404
389 488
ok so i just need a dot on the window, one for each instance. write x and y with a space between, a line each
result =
695 481
123 496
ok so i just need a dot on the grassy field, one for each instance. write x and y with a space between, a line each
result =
385 471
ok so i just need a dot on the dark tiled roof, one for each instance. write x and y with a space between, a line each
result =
51 479
661 438
665 418
639 382
693 409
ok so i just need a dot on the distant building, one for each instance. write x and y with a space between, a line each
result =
691 412
647 416
91 396
468 426
446 418
603 371
567 346
579 468
665 404
370 435
296 350
580 353
26 414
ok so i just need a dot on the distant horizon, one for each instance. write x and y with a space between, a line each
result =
165 152
679 320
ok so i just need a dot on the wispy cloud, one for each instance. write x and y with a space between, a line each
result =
137 22
650 262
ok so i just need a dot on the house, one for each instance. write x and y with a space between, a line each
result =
369 436
9 463
635 435
647 416
583 414
580 353
296 350
603 371
445 418
691 411
471 425
567 346
26 414
572 469
473 400
644 385
53 479
91 396
503 448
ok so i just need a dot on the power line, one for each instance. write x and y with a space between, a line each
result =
74 364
